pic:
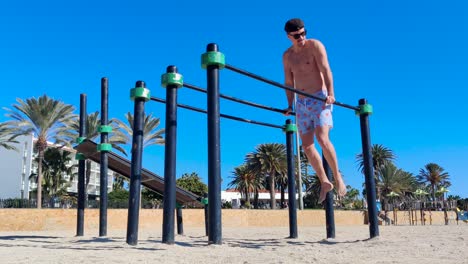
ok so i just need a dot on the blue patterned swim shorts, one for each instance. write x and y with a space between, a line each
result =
311 113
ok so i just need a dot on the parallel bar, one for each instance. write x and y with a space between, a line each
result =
221 115
369 173
104 159
81 171
193 87
214 155
277 84
170 161
291 182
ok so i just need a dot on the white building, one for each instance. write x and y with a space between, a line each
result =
234 197
17 166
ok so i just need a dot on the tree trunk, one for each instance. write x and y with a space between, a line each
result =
256 199
283 200
39 179
433 192
271 180
247 198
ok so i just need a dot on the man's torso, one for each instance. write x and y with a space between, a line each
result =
303 65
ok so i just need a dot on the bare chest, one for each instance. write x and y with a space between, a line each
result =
302 62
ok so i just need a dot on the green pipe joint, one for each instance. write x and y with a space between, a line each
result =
172 78
80 140
213 58
104 147
80 156
140 92
290 128
105 129
364 109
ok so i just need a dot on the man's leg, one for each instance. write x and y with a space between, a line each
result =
322 135
315 160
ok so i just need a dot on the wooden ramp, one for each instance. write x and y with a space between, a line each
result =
122 166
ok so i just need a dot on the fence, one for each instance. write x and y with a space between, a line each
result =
71 203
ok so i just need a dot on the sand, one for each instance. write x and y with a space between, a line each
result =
396 244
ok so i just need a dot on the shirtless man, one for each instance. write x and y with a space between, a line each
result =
306 68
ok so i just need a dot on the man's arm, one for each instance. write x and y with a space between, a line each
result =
324 67
288 80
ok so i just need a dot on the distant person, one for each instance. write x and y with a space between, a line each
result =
306 68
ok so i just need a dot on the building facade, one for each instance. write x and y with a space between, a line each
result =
17 166
236 198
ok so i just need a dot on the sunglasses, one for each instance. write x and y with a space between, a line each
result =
298 35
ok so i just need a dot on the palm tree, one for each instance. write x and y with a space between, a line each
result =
243 180
119 182
7 138
269 160
381 155
58 162
435 176
282 184
56 165
305 166
259 184
394 180
151 136
312 185
44 117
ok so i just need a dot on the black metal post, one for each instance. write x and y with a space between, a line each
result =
81 171
170 161
180 222
207 222
291 181
329 210
135 170
214 157
104 160
369 172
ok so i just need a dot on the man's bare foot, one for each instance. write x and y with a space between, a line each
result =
325 187
340 187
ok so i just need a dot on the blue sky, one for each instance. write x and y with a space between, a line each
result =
409 60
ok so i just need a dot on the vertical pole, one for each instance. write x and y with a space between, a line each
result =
299 169
291 179
104 160
299 174
445 214
329 210
180 222
136 164
81 171
368 169
170 161
421 210
214 157
207 224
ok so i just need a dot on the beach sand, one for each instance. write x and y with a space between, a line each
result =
396 244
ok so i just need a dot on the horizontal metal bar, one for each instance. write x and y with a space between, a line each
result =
196 88
221 115
277 84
